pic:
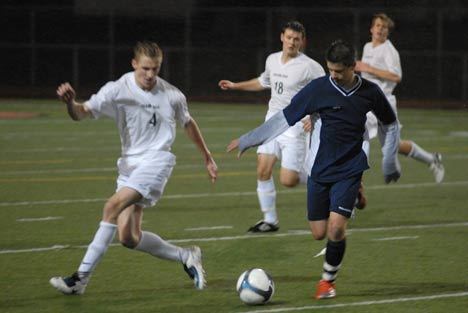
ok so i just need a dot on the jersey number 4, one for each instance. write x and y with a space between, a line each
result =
153 120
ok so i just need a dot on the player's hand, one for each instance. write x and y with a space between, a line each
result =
226 84
307 124
392 177
233 146
66 93
361 67
212 169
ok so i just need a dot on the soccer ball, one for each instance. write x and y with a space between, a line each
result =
255 286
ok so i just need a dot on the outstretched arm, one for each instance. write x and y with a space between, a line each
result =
273 127
248 85
194 133
76 110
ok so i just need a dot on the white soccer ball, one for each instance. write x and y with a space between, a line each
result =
255 286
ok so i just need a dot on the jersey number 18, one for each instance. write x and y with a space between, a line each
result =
279 87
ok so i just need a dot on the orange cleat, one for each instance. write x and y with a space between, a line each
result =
325 290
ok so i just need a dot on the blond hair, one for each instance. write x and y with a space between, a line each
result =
147 48
384 17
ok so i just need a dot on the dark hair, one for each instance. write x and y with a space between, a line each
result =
295 26
341 52
147 48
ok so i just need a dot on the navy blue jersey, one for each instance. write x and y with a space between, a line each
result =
343 114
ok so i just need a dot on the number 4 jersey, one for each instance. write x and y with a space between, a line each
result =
285 80
146 119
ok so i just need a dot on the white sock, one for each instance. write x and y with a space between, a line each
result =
267 197
420 154
158 247
96 249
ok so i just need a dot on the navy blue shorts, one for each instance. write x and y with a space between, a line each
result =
338 197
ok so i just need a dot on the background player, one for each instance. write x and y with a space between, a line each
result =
381 64
342 99
286 72
145 108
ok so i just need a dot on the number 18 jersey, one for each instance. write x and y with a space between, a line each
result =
285 80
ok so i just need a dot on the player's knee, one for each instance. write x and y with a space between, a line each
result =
263 174
318 235
111 211
289 181
128 241
336 232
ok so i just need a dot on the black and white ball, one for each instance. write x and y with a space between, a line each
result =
255 286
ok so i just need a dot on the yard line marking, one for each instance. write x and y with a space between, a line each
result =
255 236
231 194
207 228
39 219
55 247
112 169
395 238
362 303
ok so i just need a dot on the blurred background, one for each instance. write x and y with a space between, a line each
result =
90 42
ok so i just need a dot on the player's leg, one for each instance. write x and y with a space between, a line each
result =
293 153
266 190
76 283
433 160
133 237
342 197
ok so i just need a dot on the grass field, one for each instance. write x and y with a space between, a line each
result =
407 251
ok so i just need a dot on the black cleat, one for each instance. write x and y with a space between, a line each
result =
263 227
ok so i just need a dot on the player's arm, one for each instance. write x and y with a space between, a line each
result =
76 110
193 132
248 85
391 138
379 73
276 125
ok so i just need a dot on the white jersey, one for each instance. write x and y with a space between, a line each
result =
146 119
285 81
384 57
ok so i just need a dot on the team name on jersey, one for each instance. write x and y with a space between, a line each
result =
150 106
280 75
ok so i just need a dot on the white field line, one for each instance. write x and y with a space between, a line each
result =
208 228
362 303
250 237
39 219
396 238
232 194
113 169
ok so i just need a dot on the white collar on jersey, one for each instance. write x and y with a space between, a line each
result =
347 92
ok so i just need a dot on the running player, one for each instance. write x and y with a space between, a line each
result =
381 64
145 108
338 161
286 72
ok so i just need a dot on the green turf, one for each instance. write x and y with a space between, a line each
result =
49 159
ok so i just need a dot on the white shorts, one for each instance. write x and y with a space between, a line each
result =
290 150
147 174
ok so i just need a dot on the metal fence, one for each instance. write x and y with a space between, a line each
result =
43 46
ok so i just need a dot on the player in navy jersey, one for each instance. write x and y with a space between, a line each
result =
342 99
